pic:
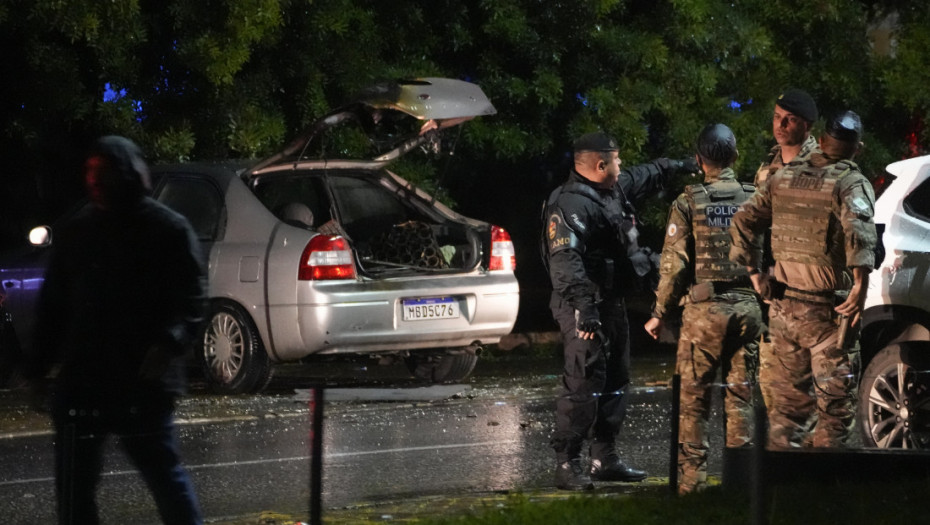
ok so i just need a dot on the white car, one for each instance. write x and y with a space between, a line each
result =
894 395
322 250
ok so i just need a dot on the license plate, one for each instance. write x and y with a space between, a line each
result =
430 308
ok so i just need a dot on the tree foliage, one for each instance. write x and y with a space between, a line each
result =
220 78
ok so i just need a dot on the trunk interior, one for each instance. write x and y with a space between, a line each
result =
393 231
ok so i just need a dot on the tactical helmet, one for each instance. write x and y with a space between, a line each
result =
845 126
717 143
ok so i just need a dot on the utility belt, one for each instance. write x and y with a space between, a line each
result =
705 291
830 297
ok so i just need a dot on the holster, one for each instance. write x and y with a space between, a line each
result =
701 292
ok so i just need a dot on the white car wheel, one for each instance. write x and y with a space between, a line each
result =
232 356
894 401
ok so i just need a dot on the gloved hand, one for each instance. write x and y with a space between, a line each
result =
587 321
588 325
689 165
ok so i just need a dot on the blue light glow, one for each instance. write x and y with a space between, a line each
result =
111 95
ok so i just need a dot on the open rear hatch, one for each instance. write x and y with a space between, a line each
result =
385 113
394 228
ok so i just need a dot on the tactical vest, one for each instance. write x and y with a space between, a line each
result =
617 211
714 206
611 264
802 208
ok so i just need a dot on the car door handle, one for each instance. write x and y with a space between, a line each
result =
11 283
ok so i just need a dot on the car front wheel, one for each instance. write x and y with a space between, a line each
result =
894 398
232 356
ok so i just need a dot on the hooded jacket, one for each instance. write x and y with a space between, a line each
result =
120 281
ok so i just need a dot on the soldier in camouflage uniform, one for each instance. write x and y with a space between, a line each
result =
794 114
722 319
823 240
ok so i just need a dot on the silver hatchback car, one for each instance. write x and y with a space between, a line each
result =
313 252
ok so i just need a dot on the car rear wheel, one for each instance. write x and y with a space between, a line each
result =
442 368
232 356
894 398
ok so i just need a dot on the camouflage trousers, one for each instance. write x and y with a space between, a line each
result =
811 383
720 335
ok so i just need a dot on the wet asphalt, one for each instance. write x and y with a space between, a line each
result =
395 449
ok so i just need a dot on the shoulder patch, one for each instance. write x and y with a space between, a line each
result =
672 229
553 226
861 206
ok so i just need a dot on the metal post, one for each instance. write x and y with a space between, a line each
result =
68 452
316 455
673 448
757 476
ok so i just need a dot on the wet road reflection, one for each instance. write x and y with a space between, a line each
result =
251 454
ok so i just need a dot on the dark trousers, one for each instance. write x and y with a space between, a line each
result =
592 404
146 430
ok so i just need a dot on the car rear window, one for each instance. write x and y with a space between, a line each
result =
366 207
278 193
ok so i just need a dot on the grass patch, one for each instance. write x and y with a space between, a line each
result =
847 504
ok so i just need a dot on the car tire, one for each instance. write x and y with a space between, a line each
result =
231 354
442 368
894 398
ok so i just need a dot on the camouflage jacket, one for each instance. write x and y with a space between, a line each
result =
774 161
680 253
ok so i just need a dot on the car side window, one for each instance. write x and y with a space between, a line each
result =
196 199
917 203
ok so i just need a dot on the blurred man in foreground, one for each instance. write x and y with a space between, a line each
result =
122 298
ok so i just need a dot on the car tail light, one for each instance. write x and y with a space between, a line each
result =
326 257
502 254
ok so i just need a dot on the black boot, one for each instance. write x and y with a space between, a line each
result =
571 475
612 469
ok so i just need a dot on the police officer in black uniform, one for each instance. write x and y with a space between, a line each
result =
593 258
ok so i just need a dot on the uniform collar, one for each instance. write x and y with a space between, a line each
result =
574 176
725 174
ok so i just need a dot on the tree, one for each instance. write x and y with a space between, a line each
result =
222 78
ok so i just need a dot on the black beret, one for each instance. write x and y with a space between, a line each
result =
845 126
798 102
597 141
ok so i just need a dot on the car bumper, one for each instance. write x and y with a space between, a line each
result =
367 317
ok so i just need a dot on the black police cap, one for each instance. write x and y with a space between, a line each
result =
717 143
845 126
597 141
798 102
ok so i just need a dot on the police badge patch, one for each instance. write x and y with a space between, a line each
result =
553 226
